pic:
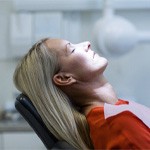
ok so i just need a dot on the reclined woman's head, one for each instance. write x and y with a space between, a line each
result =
44 76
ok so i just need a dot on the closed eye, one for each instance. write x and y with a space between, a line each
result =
72 50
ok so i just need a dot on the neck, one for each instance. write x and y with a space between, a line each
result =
94 94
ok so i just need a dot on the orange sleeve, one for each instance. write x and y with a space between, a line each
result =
123 131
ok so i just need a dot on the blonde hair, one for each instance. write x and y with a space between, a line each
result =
33 77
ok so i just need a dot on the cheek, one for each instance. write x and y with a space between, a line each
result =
86 64
83 66
70 64
94 64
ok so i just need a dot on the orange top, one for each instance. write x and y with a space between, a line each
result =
121 131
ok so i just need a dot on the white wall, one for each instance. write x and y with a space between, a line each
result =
7 89
128 74
132 72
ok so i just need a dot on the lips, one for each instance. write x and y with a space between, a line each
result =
94 54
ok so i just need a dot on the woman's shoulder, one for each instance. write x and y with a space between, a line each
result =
122 112
120 120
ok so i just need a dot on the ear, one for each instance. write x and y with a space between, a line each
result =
63 79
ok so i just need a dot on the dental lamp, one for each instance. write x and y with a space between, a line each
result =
115 35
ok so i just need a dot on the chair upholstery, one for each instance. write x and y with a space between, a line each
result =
30 114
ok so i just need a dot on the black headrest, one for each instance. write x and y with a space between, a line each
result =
24 105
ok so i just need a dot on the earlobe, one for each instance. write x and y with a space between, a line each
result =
63 79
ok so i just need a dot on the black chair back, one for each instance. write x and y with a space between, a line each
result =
25 107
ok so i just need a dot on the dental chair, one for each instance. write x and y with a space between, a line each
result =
30 114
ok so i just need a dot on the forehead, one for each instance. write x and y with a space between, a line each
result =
57 44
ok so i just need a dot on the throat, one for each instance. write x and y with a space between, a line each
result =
96 97
106 94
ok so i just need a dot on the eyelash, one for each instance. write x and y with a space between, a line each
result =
72 50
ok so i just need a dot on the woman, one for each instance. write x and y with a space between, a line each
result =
66 84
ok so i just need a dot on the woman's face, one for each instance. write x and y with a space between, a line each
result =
77 59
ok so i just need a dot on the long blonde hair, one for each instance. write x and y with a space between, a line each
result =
33 77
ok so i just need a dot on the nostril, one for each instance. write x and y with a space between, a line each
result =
89 45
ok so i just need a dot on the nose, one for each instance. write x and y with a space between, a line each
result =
87 45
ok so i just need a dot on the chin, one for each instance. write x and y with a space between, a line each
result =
103 62
105 59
